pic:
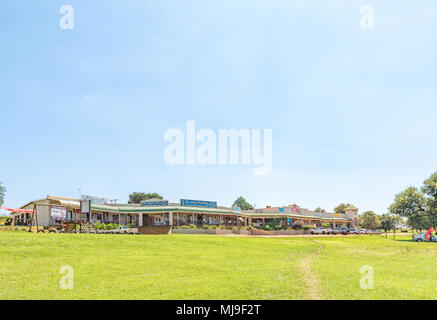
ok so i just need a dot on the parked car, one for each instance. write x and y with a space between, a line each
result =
336 231
421 237
327 231
339 230
363 231
317 231
352 231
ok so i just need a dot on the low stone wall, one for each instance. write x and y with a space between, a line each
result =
202 231
254 232
259 232
118 231
290 232
223 231
155 230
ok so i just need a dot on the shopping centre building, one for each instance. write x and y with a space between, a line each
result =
54 210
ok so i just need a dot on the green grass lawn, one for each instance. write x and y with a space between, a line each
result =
211 267
403 269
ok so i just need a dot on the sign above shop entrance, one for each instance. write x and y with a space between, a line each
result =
153 203
198 203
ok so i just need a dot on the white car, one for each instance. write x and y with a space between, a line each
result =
327 231
421 237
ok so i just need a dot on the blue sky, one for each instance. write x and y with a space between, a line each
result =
353 112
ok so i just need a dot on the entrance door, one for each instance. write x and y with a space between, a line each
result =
148 220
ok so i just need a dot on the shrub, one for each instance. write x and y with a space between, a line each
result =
107 226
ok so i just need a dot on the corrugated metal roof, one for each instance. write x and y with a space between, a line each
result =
75 203
159 209
69 203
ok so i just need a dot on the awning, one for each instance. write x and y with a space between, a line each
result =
18 210
67 203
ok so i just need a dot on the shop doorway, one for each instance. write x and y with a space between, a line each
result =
148 220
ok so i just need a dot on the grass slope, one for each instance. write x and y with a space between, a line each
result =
150 267
402 269
212 267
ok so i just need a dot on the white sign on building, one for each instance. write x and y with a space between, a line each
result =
94 199
58 213
85 206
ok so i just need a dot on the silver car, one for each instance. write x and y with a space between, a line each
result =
421 237
317 231
327 231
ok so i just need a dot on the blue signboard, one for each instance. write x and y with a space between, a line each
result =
236 209
154 203
198 203
281 210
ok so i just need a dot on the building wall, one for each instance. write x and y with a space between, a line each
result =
43 213
353 215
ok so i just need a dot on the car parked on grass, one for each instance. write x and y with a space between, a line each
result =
363 231
421 237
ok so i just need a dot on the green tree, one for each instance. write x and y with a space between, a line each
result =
2 193
137 197
318 209
340 208
369 220
430 186
242 203
389 222
411 204
429 189
419 220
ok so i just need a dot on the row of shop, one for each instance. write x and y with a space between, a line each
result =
56 210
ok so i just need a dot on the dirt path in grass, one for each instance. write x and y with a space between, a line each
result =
311 283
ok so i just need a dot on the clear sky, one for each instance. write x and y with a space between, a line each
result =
353 112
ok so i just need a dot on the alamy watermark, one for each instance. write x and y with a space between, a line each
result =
366 281
67 19
67 280
230 146
367 21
